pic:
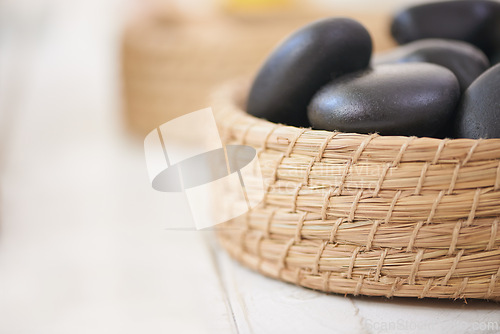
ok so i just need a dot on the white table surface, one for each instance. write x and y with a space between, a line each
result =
84 244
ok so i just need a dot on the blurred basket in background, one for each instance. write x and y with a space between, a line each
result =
170 65
367 214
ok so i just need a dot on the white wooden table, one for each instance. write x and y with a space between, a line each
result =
83 241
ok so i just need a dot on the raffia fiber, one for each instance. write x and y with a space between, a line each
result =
367 214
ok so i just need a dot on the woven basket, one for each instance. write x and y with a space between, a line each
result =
367 214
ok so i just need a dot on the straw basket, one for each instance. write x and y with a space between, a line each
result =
367 214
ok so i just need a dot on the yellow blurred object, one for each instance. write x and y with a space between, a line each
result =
251 5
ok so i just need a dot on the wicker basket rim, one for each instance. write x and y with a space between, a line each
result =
235 92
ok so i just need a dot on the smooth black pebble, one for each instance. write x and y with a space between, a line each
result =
397 99
466 61
478 115
473 21
302 64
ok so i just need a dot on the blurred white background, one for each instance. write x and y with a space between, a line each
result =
83 245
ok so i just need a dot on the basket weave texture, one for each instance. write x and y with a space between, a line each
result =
367 214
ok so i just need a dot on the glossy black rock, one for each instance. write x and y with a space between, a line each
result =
397 99
478 115
473 21
465 60
303 63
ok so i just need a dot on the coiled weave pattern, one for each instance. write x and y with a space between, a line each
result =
367 214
